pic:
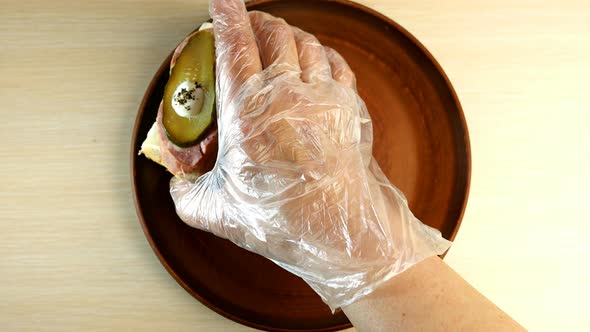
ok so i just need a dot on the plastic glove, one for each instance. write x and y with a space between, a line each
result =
295 180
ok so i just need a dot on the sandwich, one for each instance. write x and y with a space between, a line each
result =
183 138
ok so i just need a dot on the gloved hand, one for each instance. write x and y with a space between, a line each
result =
295 180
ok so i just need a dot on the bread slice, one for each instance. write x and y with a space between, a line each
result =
151 146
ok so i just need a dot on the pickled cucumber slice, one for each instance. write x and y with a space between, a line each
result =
189 96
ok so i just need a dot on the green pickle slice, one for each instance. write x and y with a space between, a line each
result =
189 96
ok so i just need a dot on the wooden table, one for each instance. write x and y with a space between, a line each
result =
72 73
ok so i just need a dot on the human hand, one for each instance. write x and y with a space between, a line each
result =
295 180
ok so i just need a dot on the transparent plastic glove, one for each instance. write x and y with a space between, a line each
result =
295 180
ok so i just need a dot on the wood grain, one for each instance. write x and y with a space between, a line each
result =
72 254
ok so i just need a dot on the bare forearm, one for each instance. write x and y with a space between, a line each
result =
428 297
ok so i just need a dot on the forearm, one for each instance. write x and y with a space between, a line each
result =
428 297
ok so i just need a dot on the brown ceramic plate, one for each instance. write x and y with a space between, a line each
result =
421 143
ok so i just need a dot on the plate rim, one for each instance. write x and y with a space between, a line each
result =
164 67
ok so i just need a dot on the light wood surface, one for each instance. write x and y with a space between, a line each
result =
72 73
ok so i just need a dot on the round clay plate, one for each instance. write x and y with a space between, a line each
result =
421 143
